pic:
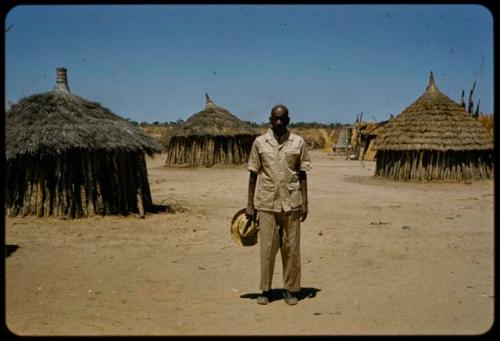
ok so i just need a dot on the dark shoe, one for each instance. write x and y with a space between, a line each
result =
289 297
263 298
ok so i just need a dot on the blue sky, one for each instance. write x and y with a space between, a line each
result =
326 63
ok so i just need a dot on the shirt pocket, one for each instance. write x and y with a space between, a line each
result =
265 196
295 195
266 158
292 158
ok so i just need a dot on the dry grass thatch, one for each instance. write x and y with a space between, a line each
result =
488 122
433 122
211 121
56 121
209 137
315 138
434 139
66 156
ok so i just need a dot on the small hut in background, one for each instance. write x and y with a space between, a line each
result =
343 144
367 133
210 137
434 139
67 156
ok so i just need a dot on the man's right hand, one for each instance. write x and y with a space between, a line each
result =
251 214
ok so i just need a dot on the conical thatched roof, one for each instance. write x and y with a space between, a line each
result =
55 121
433 122
213 121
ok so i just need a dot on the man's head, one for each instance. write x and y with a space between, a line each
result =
279 119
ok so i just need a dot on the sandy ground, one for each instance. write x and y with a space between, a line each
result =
378 257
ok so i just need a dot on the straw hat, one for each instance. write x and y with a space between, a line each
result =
244 231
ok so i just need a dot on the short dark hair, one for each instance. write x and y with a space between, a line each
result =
279 107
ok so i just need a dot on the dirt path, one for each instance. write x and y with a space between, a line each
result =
378 257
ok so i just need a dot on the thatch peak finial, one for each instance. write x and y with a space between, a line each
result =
432 85
209 103
61 79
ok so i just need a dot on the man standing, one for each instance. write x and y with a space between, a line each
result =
280 160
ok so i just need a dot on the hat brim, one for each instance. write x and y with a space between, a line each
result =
243 231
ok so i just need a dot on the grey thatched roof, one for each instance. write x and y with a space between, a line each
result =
212 121
55 121
433 122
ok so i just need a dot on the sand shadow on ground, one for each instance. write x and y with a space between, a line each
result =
277 294
159 208
9 249
162 208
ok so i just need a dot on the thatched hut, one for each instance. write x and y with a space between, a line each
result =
434 139
367 136
209 137
69 157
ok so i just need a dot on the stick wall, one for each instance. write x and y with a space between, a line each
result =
435 165
207 151
78 184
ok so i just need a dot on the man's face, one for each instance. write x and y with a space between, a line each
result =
279 119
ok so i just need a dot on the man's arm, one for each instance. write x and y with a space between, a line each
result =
303 188
251 191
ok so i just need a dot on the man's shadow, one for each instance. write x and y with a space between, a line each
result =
277 294
9 249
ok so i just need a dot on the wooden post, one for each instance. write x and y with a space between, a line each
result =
140 204
39 190
64 188
122 164
436 165
117 184
83 200
148 201
90 181
24 199
134 206
140 201
70 185
48 194
32 188
420 171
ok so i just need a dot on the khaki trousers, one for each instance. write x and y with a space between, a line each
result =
280 231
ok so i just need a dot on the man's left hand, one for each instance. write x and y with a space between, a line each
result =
304 211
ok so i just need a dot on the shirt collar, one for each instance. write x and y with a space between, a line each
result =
270 136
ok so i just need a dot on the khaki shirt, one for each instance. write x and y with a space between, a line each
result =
278 166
